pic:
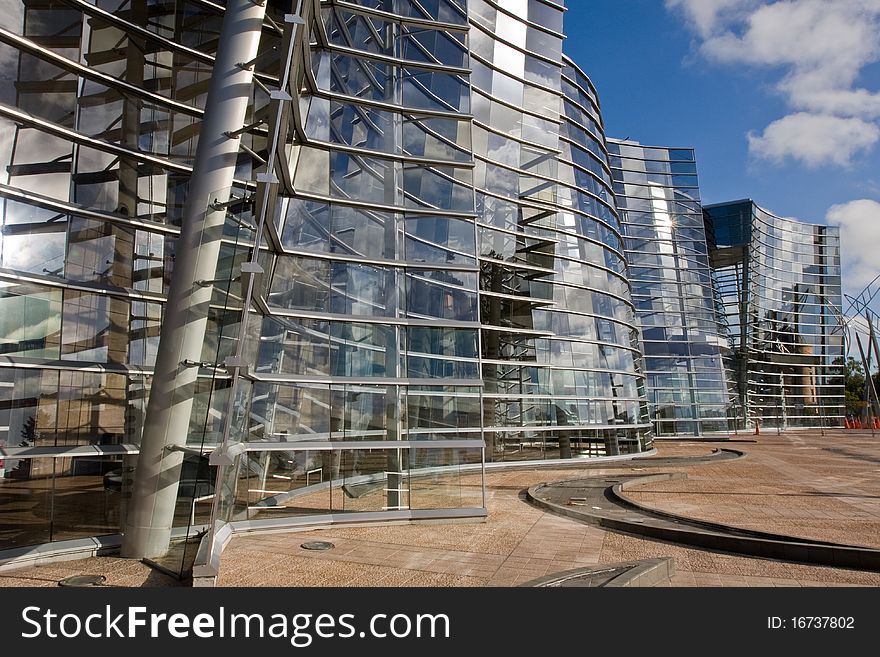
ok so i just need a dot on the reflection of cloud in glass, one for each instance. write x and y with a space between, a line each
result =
42 256
45 327
33 147
10 17
32 317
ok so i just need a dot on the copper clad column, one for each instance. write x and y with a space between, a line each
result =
154 493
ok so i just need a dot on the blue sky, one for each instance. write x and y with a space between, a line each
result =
780 99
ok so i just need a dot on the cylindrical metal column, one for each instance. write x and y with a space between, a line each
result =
154 493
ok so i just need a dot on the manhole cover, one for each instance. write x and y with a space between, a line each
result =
83 580
317 545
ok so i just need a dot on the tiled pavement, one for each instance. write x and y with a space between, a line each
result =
119 572
798 483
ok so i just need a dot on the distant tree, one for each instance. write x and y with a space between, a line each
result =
854 378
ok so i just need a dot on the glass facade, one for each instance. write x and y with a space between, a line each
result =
417 264
561 363
780 286
419 269
99 111
685 343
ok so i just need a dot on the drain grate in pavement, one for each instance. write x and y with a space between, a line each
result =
82 580
317 545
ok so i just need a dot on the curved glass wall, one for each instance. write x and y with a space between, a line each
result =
421 267
781 289
685 345
366 329
561 364
365 391
100 104
596 260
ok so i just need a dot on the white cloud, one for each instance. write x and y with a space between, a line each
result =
814 139
818 48
705 15
859 223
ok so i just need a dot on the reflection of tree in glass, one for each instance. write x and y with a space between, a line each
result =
29 434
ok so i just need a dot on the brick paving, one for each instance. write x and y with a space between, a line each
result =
799 483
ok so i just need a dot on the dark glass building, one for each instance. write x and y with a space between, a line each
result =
779 281
685 343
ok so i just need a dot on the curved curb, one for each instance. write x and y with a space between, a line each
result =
717 454
635 574
713 536
618 489
586 516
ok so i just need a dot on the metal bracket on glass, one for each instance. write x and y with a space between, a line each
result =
232 134
206 283
256 156
262 86
185 449
274 25
226 454
251 275
235 200
196 363
236 363
249 65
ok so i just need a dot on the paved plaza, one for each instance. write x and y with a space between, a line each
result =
800 484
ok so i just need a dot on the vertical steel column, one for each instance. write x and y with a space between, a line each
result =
154 494
396 497
869 382
868 376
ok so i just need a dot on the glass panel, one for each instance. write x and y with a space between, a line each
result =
441 353
359 413
88 498
441 295
361 350
439 482
17 244
443 413
30 320
373 480
285 484
440 240
25 501
288 412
